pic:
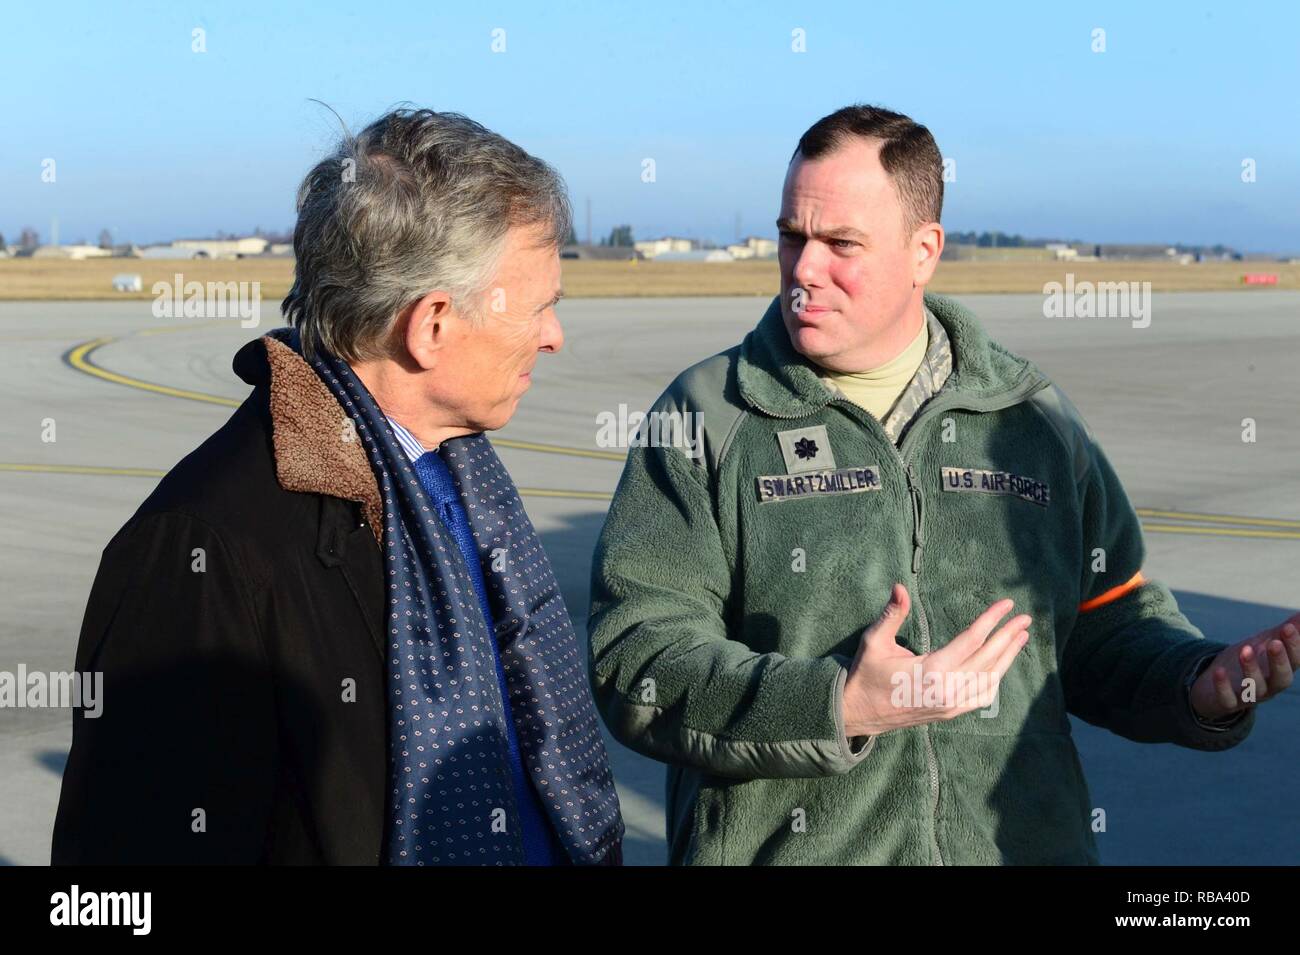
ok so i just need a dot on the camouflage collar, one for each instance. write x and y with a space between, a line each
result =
928 381
775 379
930 376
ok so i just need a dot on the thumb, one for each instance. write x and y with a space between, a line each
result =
887 625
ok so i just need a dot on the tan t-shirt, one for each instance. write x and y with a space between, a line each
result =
878 389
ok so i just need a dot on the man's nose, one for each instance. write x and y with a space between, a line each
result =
552 333
808 268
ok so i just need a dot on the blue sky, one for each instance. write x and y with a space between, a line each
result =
1143 142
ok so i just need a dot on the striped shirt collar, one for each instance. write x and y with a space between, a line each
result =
413 448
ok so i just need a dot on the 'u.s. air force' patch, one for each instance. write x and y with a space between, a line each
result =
996 482
774 488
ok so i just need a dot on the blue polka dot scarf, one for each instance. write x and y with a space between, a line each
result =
452 796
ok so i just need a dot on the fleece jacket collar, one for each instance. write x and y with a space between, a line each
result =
316 452
778 381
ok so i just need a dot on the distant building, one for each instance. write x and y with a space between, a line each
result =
968 252
696 255
1116 250
753 247
71 252
171 252
225 248
127 283
280 248
606 253
653 248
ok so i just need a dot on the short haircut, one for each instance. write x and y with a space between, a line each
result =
417 201
908 154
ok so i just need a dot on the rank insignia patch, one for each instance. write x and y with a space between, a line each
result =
806 449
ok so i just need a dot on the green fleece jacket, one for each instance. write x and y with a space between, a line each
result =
739 565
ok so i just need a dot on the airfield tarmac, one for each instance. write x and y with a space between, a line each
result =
131 394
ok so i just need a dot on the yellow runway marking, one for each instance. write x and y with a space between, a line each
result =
157 474
78 357
1218 518
579 495
558 449
1219 531
607 496
82 469
168 329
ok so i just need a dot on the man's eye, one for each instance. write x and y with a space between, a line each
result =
843 243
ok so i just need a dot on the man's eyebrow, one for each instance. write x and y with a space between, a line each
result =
835 232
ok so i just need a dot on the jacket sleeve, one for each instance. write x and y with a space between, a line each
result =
672 681
177 766
1131 651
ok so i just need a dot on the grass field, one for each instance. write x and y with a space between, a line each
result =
54 279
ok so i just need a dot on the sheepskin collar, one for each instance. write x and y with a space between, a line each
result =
317 450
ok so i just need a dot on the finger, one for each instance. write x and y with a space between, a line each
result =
982 687
1261 639
1258 647
991 651
1250 670
1018 643
885 629
1223 691
970 639
1280 673
1291 639
1291 621
959 691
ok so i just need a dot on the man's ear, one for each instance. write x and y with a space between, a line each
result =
425 328
927 247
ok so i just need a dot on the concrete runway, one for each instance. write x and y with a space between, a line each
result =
1166 402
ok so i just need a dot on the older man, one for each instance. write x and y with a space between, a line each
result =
331 635
873 460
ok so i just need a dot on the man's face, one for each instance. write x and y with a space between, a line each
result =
847 262
484 369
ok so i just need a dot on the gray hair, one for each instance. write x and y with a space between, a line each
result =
418 201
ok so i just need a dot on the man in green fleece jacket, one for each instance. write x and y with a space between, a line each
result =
801 610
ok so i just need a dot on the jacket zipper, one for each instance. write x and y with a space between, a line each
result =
918 544
923 622
951 402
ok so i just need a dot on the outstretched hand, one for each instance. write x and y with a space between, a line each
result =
1252 671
